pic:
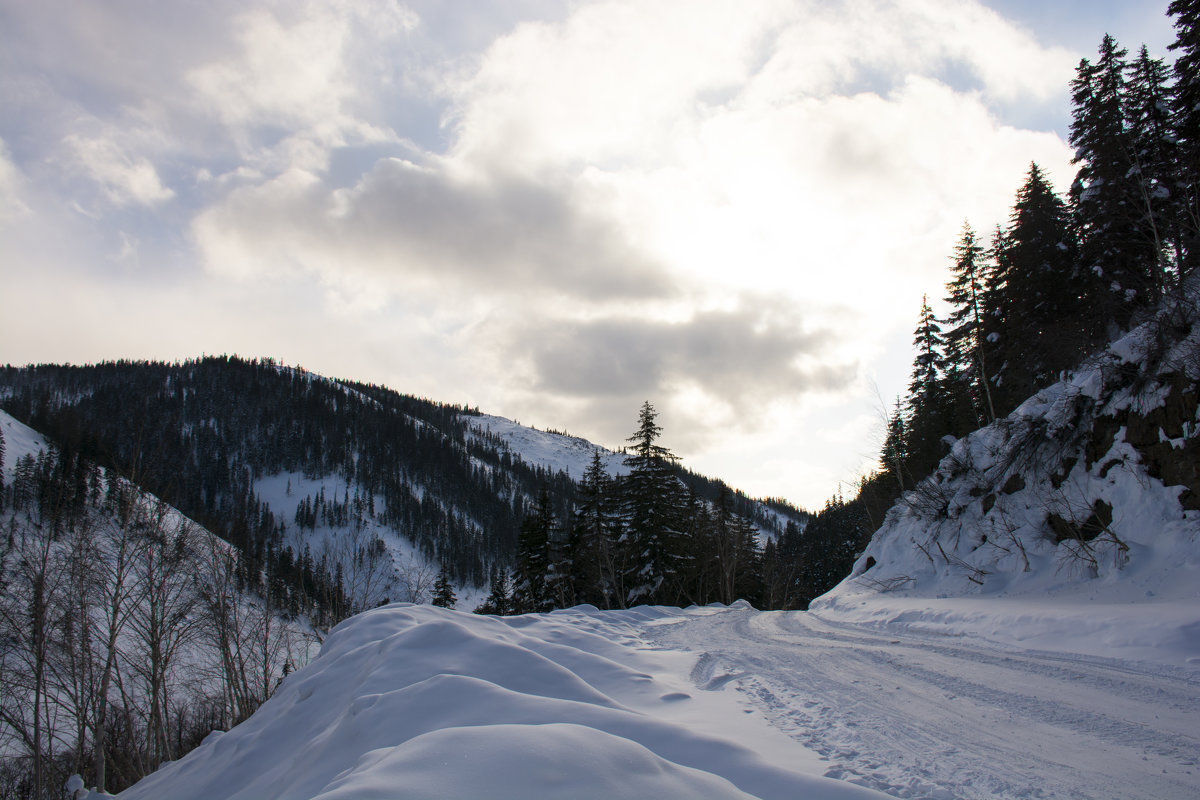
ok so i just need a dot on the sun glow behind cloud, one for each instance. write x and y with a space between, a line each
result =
551 210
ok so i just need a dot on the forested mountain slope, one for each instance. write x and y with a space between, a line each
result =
304 473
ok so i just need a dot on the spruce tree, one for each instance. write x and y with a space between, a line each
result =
1034 297
894 456
1186 124
499 600
1117 243
928 418
443 589
596 568
653 510
559 578
1160 181
529 590
965 359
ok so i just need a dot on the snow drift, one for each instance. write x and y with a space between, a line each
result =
420 702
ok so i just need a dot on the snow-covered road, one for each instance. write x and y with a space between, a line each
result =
920 715
420 702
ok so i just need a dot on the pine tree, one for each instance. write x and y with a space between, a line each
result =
597 570
1186 124
1161 187
1036 320
894 456
443 589
1117 243
928 419
529 591
560 558
499 600
653 512
965 359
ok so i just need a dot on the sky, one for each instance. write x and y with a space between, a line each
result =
552 210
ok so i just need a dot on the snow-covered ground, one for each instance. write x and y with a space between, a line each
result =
415 702
555 452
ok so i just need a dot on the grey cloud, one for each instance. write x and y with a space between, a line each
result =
743 358
504 234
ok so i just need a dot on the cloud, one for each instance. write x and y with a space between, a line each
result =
742 358
12 204
295 70
404 226
125 178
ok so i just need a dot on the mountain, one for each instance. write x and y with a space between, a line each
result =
296 470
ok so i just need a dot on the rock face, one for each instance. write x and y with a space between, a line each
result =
1096 475
1165 437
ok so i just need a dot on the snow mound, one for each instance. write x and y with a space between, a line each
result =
416 701
554 760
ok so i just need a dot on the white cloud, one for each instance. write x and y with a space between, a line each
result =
405 227
12 190
293 72
125 178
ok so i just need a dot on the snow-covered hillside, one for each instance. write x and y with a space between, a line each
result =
1080 508
123 625
552 451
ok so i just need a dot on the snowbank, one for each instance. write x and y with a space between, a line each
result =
415 702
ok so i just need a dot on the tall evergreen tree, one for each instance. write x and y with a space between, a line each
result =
597 570
965 360
894 456
928 420
533 542
1186 124
499 600
1034 297
654 505
1117 244
1160 181
560 558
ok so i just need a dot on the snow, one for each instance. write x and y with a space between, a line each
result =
977 699
556 452
19 440
416 701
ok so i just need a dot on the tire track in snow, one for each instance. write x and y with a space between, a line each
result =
918 716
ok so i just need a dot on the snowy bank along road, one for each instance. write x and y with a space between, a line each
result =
708 703
920 715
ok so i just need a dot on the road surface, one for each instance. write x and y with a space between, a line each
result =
942 717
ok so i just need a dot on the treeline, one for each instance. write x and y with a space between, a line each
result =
127 633
1062 278
643 537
